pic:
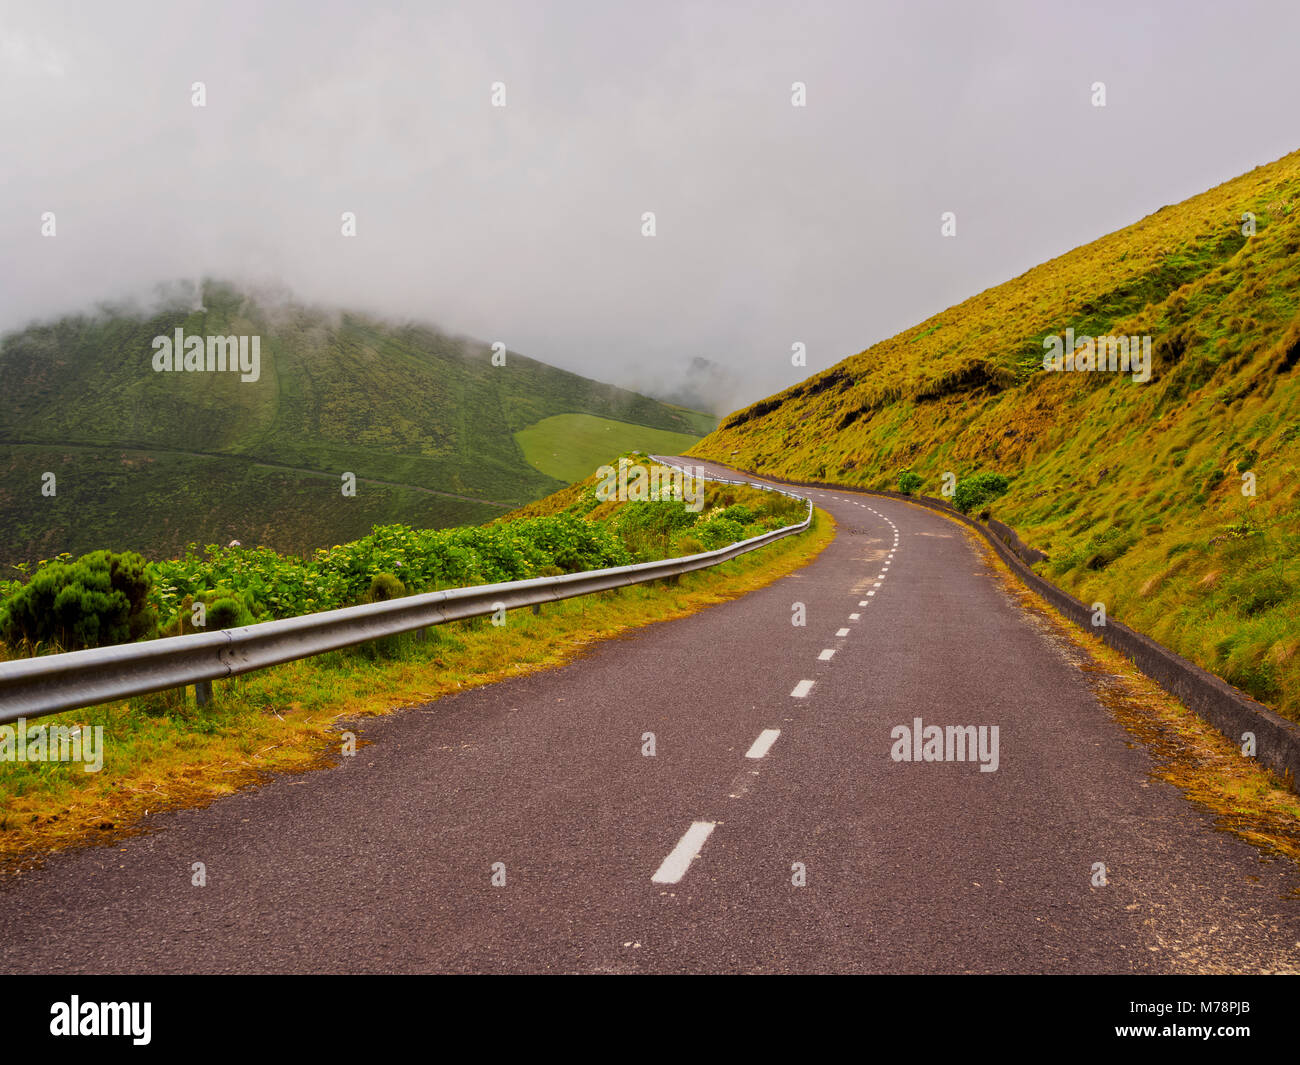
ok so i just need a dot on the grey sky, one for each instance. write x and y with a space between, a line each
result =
775 224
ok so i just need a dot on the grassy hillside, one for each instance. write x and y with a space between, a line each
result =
571 446
1133 489
151 461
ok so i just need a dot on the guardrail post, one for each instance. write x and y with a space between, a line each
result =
202 693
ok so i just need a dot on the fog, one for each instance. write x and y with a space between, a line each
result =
775 224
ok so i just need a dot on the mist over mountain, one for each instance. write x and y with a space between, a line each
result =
210 411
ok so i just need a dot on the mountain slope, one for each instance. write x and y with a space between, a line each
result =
1134 489
152 460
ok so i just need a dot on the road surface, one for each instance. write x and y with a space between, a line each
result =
771 831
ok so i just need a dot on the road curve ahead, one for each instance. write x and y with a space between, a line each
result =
777 827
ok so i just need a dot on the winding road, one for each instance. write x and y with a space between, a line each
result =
524 827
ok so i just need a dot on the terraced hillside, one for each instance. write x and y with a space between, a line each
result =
1137 491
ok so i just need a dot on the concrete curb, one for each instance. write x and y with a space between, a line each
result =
1232 712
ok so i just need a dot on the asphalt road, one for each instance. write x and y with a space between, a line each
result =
686 861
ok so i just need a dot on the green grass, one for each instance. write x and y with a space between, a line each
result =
570 447
1133 490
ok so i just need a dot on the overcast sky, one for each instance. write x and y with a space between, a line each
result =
522 223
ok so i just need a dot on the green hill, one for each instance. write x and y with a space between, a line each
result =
1135 490
151 461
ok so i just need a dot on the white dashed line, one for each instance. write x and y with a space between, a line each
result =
872 592
675 865
863 602
854 617
826 655
845 632
802 689
764 743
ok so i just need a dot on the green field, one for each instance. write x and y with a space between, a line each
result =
570 447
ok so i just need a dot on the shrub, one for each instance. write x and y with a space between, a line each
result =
909 482
738 513
384 586
687 545
647 528
719 532
226 613
99 599
979 488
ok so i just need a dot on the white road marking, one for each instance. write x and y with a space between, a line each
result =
863 602
802 689
872 592
854 617
845 632
688 847
877 584
764 743
826 655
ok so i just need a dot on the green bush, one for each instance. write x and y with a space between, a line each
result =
384 586
647 528
979 488
738 513
909 482
266 585
719 532
100 599
226 613
687 544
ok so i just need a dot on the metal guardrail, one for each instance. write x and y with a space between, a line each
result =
49 684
